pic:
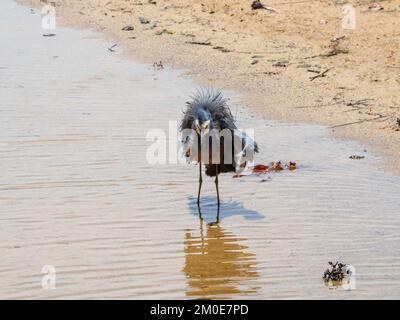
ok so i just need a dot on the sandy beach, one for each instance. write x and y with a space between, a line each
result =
78 195
272 56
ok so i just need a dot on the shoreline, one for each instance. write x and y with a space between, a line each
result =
357 100
80 197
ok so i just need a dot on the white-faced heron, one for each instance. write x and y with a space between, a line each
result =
207 112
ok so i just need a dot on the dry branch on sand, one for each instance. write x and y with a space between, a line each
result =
258 5
320 75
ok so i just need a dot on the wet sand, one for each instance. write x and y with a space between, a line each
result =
77 191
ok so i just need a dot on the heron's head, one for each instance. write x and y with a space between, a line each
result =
202 122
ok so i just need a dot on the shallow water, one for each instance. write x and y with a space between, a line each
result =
77 193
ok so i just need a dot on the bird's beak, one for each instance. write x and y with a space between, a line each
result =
205 130
202 131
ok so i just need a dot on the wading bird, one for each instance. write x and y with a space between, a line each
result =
207 115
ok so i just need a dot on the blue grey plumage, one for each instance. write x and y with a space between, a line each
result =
208 116
209 106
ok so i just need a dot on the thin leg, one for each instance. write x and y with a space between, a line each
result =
200 183
217 221
200 217
216 183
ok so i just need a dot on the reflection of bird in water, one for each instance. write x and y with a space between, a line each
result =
217 265
231 209
208 116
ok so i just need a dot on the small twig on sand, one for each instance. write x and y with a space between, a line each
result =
361 121
271 9
319 105
258 5
222 49
320 75
363 102
200 43
128 28
333 52
353 104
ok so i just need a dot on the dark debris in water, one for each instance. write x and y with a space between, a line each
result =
112 48
261 169
158 65
337 272
274 166
356 157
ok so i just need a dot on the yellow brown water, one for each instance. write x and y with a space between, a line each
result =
77 192
216 264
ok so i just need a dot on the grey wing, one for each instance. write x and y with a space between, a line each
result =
190 147
244 149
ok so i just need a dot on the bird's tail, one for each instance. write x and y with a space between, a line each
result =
245 157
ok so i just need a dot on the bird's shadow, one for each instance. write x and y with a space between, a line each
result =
209 212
